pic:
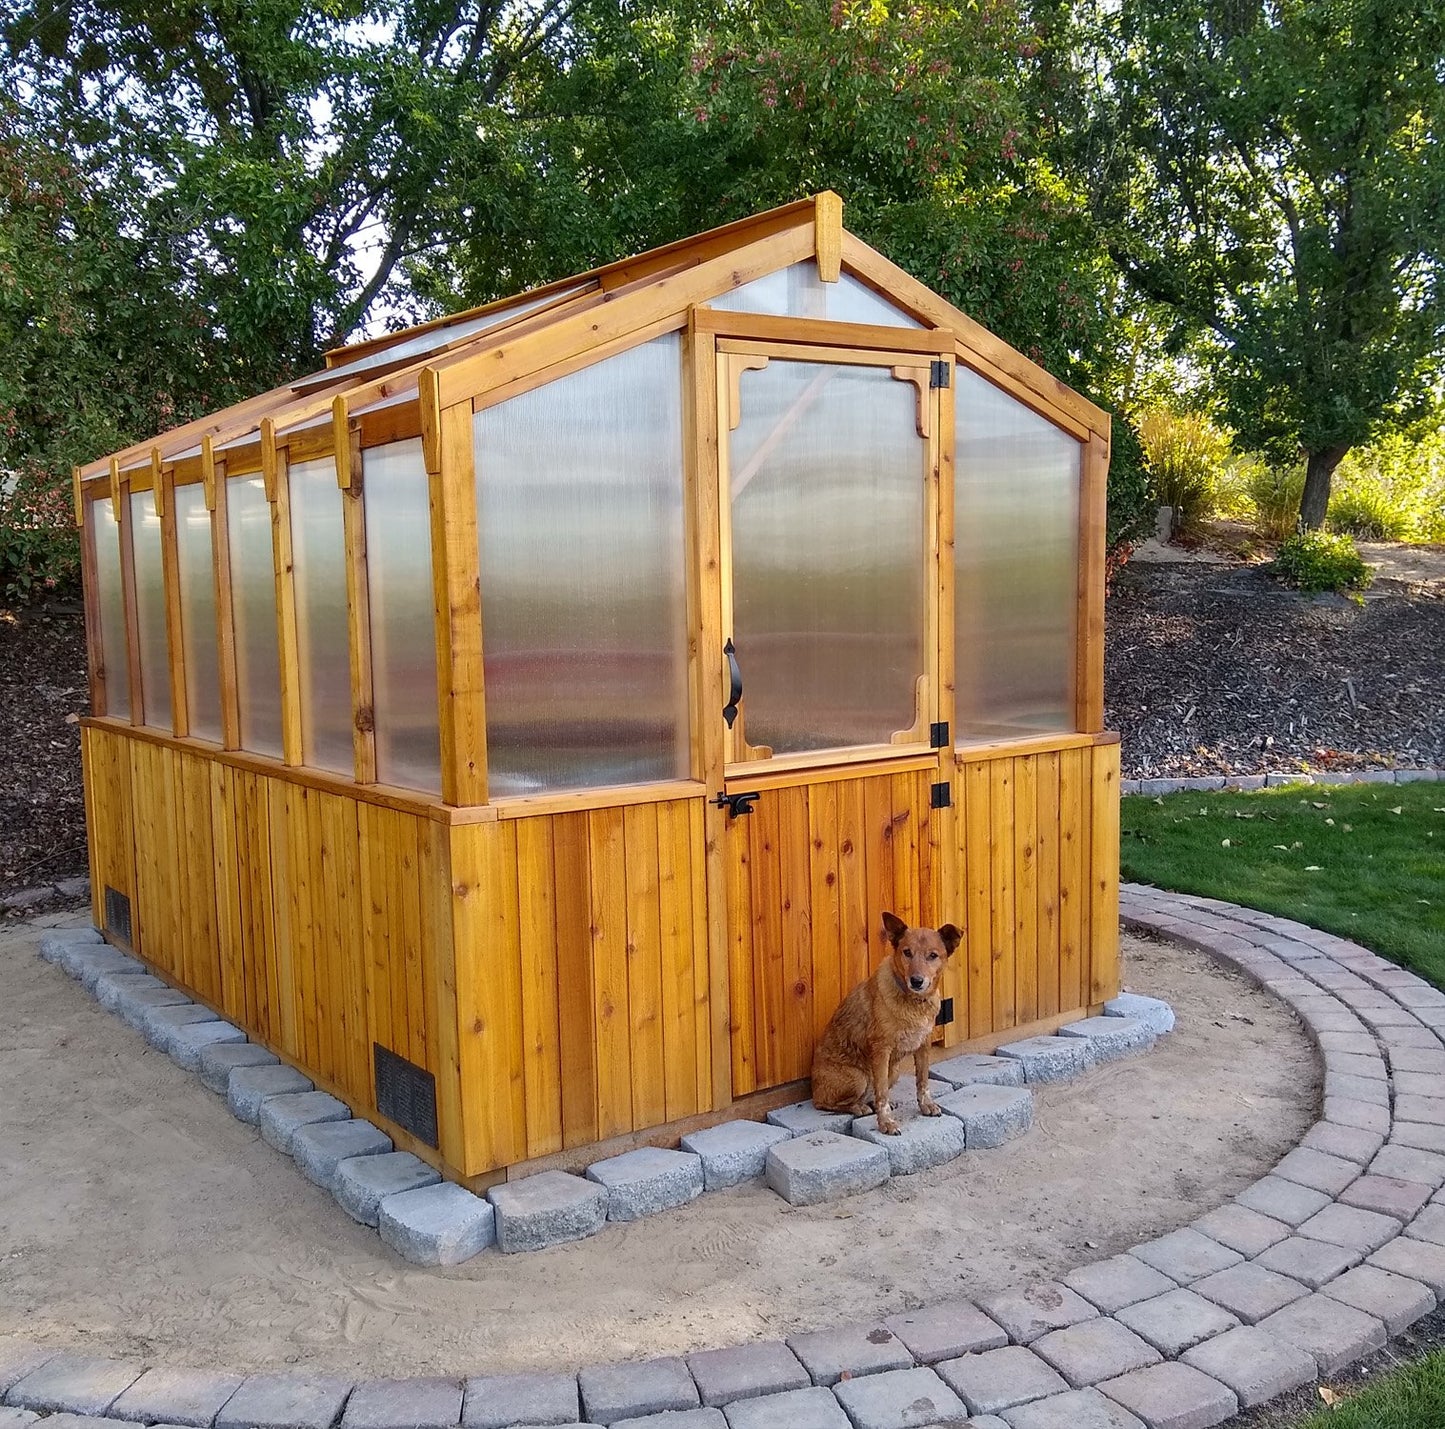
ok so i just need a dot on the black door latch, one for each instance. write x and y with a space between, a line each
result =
737 804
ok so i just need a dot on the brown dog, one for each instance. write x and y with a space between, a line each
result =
882 1021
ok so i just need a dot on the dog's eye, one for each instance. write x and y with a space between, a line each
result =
933 957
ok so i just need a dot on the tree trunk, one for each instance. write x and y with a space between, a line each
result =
1319 470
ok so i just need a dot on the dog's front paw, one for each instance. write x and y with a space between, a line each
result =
928 1106
888 1125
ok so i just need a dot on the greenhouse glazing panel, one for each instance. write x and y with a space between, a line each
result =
198 611
105 538
798 292
580 517
323 652
1016 537
403 630
253 606
150 607
827 476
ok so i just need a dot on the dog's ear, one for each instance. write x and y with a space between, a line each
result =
894 927
951 936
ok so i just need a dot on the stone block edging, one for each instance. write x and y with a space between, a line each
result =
1278 778
1284 1239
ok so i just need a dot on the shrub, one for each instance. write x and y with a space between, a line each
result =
1274 492
39 546
1184 453
1401 478
1317 561
1368 514
1131 507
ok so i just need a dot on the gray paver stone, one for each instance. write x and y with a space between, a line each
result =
131 1006
1186 1255
1333 1333
973 1069
797 1409
285 1401
111 988
733 1152
802 1118
1094 1350
158 1024
176 1396
991 1115
946 1329
74 1384
643 1182
1429 1225
1311 1262
1049 1059
1241 1229
320 1147
823 1166
746 1372
19 1358
996 1380
676 1419
1319 1172
1417 1134
1418 1259
55 941
900 1399
1349 1142
250 1088
404 1404
22 1418
1282 1200
1395 1299
86 963
362 1183
499 1401
1078 1409
1346 1111
1116 1282
868 1347
81 1421
1254 1365
628 1391
442 1224
922 1142
1350 1227
1110 1038
1173 1396
903 1094
1028 1311
1174 1321
546 1209
218 1061
1388 1195
185 1044
1251 1291
1153 1012
282 1117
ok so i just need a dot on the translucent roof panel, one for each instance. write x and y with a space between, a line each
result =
798 292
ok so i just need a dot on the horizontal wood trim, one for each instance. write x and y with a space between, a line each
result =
787 350
796 770
765 327
619 796
1043 744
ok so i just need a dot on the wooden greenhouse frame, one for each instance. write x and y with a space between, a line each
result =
509 976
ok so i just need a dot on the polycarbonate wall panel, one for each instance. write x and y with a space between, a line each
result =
798 292
1016 542
150 608
403 631
198 611
580 515
827 476
318 553
253 607
110 602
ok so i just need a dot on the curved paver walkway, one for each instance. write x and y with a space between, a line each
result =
1316 1264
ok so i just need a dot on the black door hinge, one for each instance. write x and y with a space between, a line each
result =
945 1013
938 735
940 796
939 372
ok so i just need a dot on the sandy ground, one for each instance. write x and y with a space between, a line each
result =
137 1217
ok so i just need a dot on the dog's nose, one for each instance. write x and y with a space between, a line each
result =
916 983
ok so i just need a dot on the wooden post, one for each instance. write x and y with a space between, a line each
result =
120 495
213 473
276 474
456 592
349 476
1089 634
171 578
828 235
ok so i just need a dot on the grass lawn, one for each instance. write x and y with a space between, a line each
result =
1409 1398
1366 861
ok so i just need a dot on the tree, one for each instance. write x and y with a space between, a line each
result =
1275 173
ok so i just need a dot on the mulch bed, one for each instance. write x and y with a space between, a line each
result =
1210 669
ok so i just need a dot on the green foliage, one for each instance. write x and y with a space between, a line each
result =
1130 501
39 545
1318 561
1398 484
1274 174
1367 514
1185 453
1361 861
1273 492
1409 1397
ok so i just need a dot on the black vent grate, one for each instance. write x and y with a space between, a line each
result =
406 1094
117 915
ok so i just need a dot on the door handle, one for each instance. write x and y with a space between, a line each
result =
735 684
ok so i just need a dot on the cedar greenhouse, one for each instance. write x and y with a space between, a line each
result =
521 724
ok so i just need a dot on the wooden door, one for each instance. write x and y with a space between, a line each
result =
829 469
